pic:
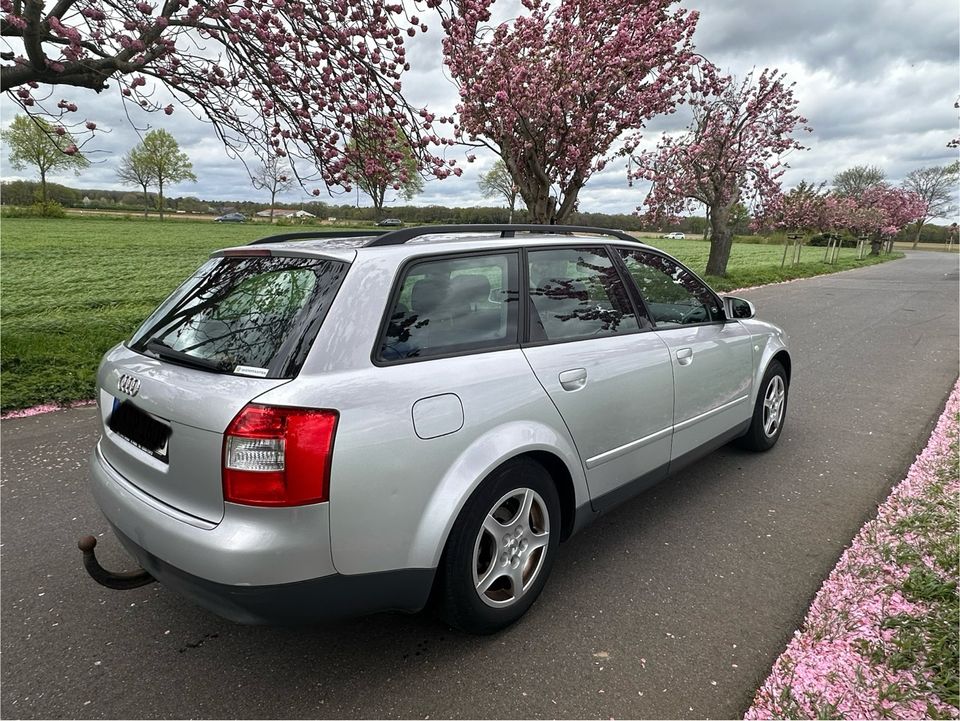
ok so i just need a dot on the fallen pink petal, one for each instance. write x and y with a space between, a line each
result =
880 639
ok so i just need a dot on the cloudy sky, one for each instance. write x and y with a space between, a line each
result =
877 80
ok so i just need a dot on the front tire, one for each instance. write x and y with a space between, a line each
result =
501 548
769 412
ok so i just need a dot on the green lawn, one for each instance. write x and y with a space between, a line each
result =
71 288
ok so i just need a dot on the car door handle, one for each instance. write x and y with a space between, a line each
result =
573 379
685 356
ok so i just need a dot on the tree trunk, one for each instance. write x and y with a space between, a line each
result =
534 187
569 205
273 196
541 206
720 241
146 201
43 186
917 239
377 196
160 198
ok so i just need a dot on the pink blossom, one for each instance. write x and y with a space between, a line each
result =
829 664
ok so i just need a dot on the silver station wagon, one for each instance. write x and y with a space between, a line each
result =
320 425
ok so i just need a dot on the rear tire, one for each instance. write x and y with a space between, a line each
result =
769 412
501 548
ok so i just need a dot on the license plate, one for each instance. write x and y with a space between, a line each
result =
139 428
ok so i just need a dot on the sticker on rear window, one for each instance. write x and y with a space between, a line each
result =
251 371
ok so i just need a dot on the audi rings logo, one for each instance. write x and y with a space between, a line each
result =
129 385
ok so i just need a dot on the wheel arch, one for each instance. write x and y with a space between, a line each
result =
783 357
769 345
554 452
563 482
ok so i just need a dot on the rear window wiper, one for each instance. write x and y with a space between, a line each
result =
162 350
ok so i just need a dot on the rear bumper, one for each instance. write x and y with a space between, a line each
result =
257 565
328 598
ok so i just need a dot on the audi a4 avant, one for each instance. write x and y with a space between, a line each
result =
314 426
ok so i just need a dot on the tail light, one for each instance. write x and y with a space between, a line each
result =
276 456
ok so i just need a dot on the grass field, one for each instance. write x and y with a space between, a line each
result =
72 288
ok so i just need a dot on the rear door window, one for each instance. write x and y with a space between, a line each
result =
577 293
252 316
453 305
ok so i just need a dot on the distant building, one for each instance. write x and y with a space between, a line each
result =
284 213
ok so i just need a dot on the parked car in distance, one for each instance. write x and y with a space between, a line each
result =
231 218
390 223
674 236
330 424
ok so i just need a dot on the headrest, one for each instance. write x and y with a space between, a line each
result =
428 294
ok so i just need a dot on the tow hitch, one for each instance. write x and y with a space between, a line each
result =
119 581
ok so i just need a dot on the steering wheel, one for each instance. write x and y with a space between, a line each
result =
694 315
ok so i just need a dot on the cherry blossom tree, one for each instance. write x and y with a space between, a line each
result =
880 212
895 208
287 78
553 91
803 208
730 152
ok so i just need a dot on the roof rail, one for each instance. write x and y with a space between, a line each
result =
317 235
506 230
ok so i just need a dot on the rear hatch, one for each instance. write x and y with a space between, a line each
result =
239 327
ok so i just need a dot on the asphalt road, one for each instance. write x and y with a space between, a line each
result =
673 606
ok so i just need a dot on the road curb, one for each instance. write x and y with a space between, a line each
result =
45 408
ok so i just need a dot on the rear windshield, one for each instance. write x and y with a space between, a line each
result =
254 316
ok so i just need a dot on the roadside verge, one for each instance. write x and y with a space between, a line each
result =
880 638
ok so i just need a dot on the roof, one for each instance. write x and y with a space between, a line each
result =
346 245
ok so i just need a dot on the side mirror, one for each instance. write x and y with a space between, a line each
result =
738 308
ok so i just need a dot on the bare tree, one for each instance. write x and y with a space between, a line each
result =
853 182
275 177
937 186
135 169
497 183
